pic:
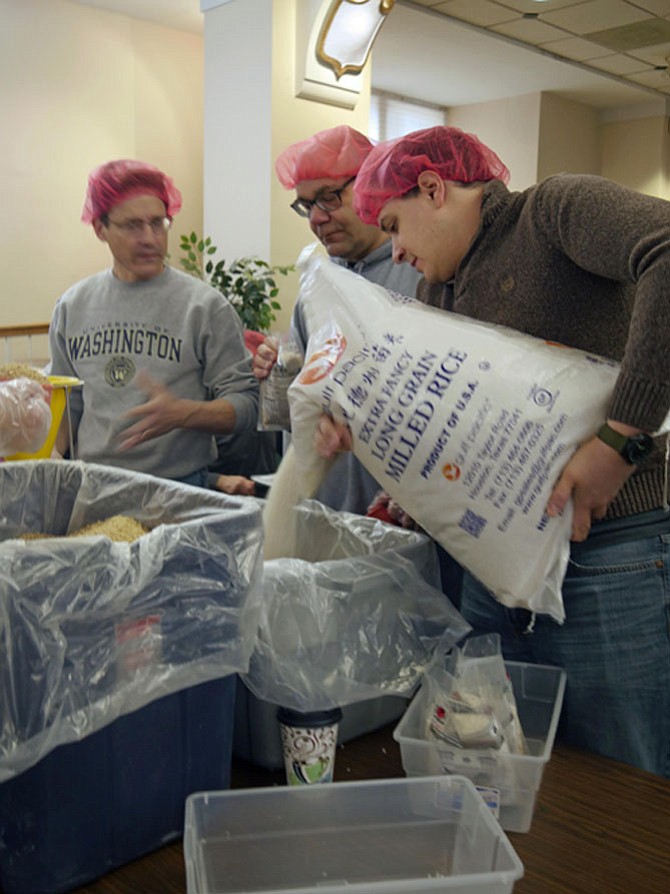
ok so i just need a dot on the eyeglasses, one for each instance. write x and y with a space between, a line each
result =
135 227
326 200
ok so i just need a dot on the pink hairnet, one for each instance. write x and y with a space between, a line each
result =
337 152
392 169
117 181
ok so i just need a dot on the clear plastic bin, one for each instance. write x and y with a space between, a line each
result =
409 836
513 778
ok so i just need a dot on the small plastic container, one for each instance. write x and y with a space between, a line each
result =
409 836
509 781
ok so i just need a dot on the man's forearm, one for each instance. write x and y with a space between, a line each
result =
215 416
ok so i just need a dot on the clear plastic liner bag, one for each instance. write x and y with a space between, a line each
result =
92 629
25 416
273 408
357 615
466 425
470 700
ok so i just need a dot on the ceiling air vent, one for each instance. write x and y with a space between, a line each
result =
631 37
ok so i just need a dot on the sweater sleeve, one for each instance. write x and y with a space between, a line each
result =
622 235
227 371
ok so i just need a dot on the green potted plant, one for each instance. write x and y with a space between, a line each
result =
248 283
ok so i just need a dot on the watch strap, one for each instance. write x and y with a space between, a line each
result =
633 449
612 438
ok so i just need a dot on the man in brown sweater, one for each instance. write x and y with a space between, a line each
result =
580 260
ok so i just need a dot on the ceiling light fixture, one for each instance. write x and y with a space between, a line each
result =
348 33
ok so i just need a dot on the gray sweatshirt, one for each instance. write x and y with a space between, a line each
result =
182 331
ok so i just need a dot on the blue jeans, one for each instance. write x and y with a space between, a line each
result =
614 645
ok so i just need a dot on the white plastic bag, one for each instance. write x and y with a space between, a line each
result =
354 614
466 425
25 416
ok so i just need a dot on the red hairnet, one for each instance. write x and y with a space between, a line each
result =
117 181
337 152
392 169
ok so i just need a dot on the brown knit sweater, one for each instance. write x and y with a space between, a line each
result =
580 260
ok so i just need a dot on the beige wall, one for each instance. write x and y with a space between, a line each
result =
535 135
636 153
79 87
569 138
511 127
542 134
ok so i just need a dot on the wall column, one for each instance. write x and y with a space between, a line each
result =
251 114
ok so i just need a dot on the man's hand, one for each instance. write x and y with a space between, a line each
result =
235 484
160 413
331 437
593 478
387 509
265 358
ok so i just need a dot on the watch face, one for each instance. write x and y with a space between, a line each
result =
638 448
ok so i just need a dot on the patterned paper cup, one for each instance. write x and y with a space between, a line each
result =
309 741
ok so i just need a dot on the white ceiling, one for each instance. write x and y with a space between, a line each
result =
455 52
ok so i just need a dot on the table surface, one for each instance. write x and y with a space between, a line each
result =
600 827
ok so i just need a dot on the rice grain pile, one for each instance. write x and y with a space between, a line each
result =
22 371
120 528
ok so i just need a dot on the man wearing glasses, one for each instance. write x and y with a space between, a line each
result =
160 353
322 170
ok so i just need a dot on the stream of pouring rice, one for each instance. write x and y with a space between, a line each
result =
289 487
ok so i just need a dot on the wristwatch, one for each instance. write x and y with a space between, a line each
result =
634 449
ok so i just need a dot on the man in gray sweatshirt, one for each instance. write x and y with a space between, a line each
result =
160 353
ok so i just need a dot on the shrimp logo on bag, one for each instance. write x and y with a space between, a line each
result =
319 365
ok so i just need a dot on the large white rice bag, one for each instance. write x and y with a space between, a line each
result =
466 425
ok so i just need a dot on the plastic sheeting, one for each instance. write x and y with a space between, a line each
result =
355 616
25 416
92 629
